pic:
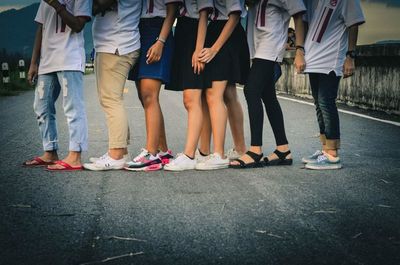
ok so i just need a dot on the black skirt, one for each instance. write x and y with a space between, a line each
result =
232 62
183 76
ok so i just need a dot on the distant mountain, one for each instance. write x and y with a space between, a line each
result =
17 31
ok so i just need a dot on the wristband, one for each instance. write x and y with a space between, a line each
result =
160 40
299 47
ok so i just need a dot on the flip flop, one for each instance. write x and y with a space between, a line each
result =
66 167
38 162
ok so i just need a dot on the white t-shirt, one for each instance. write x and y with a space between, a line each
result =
192 8
118 30
62 49
327 38
268 26
157 8
223 8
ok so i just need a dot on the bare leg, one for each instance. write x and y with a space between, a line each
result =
218 115
205 137
192 99
149 93
235 117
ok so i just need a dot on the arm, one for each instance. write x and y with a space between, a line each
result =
349 64
33 68
75 23
207 54
155 52
299 61
201 37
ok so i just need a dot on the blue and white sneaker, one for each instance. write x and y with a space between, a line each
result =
312 158
325 163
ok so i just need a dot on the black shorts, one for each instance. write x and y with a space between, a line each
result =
232 62
182 75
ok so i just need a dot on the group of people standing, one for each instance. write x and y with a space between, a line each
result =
206 56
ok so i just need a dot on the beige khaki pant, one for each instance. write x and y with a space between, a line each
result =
111 73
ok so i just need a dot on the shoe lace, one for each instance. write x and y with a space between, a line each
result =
140 156
321 158
103 157
317 153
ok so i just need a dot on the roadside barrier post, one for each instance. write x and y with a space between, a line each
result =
5 73
21 68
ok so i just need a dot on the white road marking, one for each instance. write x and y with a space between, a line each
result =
343 111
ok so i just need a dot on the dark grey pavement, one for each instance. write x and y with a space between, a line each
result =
263 216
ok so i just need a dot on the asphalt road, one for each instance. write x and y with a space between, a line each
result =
263 216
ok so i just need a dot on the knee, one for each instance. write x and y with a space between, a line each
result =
147 98
212 98
189 102
230 96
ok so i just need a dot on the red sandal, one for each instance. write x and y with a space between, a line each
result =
66 167
37 162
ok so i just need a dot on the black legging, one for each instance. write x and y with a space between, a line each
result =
261 86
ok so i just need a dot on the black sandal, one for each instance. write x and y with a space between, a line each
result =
281 161
242 164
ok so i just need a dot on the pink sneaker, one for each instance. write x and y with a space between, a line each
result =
165 157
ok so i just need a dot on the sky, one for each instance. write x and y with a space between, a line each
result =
383 18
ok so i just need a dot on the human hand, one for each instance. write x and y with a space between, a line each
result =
299 61
348 67
32 73
155 52
196 64
207 54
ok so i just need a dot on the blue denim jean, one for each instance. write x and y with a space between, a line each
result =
48 89
324 89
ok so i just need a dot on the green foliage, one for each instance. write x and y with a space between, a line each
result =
15 86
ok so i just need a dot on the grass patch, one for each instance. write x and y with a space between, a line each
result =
15 86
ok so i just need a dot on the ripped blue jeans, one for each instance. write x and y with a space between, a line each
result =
48 89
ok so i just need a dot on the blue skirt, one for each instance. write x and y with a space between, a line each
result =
150 29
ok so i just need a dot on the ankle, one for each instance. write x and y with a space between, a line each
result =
255 149
50 155
283 148
117 154
332 153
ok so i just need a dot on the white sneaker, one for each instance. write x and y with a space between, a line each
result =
106 163
232 154
180 163
95 159
199 157
214 161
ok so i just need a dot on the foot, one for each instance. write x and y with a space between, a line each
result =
214 161
180 163
166 156
148 162
106 163
232 154
325 162
279 158
246 158
48 158
71 162
200 157
312 158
